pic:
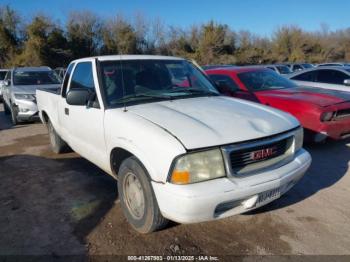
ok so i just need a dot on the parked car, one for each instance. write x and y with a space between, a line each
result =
334 64
335 78
60 71
179 150
323 113
19 89
280 69
3 73
294 67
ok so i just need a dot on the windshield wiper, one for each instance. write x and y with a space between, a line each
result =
192 91
144 96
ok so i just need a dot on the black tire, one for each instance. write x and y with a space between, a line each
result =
151 219
6 109
58 145
14 114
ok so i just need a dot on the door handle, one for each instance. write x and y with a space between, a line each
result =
66 111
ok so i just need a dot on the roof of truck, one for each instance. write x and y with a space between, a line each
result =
128 57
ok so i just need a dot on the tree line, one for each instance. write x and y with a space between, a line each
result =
42 41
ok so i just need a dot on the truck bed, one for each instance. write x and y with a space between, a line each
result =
47 100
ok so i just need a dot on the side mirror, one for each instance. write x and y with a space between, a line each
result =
347 82
223 87
7 82
79 97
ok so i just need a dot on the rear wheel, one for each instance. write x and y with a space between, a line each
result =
58 145
137 198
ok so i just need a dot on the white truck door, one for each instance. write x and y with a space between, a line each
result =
84 124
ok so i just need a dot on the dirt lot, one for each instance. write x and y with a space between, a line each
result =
52 204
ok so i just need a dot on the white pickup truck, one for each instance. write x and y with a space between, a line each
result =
179 150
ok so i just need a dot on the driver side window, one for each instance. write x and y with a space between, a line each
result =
82 76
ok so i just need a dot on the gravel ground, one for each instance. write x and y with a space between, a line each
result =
64 205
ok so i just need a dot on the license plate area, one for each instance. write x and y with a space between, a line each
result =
268 196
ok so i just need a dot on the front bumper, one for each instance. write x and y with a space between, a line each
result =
27 110
225 197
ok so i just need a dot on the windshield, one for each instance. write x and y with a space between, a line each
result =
264 80
284 70
35 78
138 81
307 65
2 75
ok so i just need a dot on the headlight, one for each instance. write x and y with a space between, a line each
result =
197 167
299 138
327 116
25 97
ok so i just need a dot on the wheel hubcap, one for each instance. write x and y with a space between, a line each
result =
134 197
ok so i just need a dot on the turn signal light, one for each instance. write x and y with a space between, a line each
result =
180 177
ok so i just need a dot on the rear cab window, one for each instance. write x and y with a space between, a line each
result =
66 79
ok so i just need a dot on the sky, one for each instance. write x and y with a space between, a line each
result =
261 17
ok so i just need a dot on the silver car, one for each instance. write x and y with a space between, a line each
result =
3 73
19 89
335 78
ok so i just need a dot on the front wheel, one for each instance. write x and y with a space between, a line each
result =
6 109
14 114
137 198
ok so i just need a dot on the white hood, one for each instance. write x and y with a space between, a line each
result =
210 121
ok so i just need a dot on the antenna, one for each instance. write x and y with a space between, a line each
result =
123 86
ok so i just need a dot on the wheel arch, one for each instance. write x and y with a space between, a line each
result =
44 117
119 154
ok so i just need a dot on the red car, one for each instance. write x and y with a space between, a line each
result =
323 113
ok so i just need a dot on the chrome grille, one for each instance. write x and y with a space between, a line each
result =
244 157
240 159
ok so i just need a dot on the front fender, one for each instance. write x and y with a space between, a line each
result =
153 146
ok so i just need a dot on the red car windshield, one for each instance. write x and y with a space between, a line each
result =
264 80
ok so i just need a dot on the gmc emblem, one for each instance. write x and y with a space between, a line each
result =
262 154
